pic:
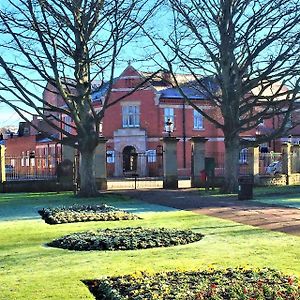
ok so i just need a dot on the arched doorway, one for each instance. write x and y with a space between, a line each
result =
129 159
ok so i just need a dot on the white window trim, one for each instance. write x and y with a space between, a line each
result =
151 156
197 115
110 159
67 120
169 116
243 156
135 116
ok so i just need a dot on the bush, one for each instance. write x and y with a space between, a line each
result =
84 213
238 284
125 239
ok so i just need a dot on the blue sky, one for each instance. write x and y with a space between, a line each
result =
132 53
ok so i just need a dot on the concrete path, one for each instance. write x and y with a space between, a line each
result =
266 216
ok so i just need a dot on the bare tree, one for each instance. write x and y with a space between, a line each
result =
66 45
250 49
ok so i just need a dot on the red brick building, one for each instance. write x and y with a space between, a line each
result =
138 122
135 125
30 153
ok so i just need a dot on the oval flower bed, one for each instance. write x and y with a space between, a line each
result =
125 239
238 284
84 213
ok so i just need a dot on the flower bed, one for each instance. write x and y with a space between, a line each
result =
236 284
125 239
84 213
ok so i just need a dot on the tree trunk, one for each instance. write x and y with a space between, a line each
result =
88 186
231 165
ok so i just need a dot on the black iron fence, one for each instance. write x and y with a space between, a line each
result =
148 164
31 167
270 163
140 165
218 158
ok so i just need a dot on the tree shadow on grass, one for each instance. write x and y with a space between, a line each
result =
26 206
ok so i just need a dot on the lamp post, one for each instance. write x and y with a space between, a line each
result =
169 127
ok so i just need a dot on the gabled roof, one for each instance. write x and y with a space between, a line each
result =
162 83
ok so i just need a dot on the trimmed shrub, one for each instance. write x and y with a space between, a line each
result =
125 239
238 284
84 213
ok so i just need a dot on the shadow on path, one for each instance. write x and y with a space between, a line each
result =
271 217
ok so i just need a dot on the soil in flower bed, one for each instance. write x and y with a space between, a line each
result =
238 284
84 213
125 239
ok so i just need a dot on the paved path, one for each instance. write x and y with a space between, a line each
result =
266 216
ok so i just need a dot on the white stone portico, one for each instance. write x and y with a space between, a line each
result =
136 138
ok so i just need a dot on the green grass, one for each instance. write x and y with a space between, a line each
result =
28 270
288 196
276 190
258 191
292 201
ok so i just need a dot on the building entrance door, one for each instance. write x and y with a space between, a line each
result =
129 159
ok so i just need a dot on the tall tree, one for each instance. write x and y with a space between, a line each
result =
66 44
251 50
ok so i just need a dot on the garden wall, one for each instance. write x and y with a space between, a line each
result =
34 186
294 179
267 180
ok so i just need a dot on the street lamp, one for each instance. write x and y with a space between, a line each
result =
169 127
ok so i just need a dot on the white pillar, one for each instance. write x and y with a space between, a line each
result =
286 160
2 164
253 155
100 165
170 163
286 157
198 160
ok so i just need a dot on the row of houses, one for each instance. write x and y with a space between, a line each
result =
135 126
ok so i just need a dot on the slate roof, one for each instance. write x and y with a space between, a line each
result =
193 90
190 87
100 90
47 139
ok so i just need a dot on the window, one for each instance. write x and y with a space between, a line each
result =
130 82
101 128
110 157
67 121
26 131
169 114
198 120
23 159
46 153
27 159
289 122
151 156
243 159
131 116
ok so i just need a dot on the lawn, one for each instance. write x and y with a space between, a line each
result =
287 201
29 270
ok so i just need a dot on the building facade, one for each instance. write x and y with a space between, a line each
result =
136 123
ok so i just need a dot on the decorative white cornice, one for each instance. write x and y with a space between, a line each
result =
206 107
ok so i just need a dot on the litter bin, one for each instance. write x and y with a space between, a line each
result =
245 188
203 177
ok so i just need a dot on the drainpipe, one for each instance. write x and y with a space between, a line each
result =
184 134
